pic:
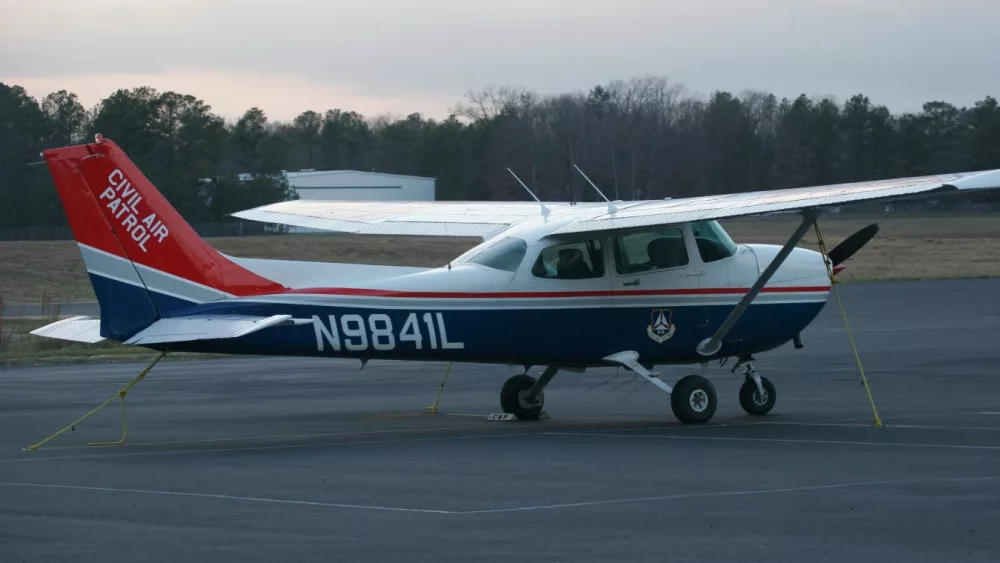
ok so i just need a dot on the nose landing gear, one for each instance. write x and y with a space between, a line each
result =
757 394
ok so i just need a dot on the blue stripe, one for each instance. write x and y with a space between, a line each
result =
516 336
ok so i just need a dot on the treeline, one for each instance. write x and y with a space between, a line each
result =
637 139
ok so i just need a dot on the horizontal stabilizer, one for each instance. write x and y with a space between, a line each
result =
208 327
75 329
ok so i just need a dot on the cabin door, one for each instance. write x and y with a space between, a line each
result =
659 302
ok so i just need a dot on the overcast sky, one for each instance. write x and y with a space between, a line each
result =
401 56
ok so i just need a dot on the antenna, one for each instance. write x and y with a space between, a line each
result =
545 210
611 206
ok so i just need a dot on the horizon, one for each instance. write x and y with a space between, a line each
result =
390 57
91 100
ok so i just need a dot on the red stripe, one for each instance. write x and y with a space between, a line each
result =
544 294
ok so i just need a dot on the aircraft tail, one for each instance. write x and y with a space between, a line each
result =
144 260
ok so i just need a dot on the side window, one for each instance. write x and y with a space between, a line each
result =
650 250
570 261
505 255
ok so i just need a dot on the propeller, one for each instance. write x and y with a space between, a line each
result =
849 246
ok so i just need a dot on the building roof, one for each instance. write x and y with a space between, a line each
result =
301 173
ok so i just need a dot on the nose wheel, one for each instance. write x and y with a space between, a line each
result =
757 394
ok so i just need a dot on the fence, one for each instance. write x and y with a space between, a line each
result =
206 230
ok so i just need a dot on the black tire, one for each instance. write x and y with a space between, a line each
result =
750 398
694 400
512 401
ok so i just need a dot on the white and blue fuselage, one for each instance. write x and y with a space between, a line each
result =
506 300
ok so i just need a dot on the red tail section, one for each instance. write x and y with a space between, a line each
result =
114 208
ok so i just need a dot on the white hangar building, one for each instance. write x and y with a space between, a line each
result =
353 185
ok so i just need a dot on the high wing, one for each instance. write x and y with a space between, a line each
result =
486 218
421 218
776 201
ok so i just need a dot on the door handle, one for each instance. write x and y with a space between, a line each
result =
636 282
698 273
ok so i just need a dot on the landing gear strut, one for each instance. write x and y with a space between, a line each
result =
522 394
693 399
757 394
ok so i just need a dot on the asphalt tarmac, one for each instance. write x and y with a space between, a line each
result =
254 460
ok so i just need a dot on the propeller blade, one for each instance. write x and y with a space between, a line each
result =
852 244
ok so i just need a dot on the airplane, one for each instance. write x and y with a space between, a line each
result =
563 286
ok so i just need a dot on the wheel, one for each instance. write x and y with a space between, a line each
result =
751 399
693 400
514 398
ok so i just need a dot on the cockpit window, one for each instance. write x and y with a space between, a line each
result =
570 261
650 250
712 240
505 255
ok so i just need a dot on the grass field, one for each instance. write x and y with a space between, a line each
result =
906 248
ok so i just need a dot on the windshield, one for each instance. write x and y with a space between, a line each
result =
712 240
505 255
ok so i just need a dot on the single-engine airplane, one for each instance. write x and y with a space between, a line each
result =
564 286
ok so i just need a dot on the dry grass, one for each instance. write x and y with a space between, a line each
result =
906 248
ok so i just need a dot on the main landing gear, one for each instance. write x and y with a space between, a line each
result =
522 395
693 400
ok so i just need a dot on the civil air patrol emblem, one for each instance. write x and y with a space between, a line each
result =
661 327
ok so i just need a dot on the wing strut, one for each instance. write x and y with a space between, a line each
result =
712 345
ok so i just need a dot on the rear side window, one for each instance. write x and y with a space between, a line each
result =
649 251
570 261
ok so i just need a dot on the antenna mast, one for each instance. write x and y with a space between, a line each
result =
545 210
611 206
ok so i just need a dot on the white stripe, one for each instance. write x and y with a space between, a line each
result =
134 283
121 269
169 283
139 285
224 497
108 265
777 440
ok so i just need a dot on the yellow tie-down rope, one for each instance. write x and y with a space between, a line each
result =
120 394
843 313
